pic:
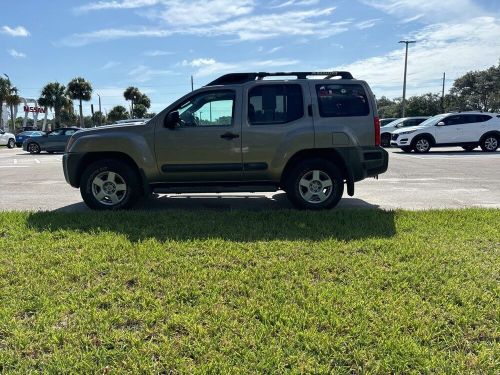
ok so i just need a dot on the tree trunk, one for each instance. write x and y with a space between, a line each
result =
1 113
13 120
44 125
82 125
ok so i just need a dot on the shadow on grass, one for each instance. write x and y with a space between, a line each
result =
237 225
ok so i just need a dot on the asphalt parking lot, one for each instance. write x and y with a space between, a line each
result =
444 178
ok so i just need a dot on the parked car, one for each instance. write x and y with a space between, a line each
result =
241 132
7 139
465 129
21 137
385 121
54 141
404 122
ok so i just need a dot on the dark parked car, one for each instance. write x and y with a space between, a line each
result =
54 141
21 137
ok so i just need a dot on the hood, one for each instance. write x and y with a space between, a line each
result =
108 128
407 129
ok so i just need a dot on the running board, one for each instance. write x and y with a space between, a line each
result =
172 189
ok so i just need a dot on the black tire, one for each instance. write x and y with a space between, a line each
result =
124 174
422 145
406 149
468 148
326 170
11 143
385 140
490 143
34 148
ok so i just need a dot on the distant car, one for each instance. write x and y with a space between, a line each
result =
28 129
385 121
54 141
7 139
386 130
27 134
466 129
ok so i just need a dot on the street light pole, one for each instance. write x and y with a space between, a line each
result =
100 111
406 66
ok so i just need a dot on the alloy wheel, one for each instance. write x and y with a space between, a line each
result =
315 186
109 188
491 143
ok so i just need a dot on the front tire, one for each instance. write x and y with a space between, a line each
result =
422 145
34 148
406 149
490 143
11 143
315 184
110 185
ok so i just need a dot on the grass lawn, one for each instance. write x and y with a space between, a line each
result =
344 291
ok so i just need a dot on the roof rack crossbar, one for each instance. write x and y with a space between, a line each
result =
239 78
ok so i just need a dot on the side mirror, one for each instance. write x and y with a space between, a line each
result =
440 123
399 125
172 120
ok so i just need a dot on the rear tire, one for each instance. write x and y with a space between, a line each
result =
11 143
315 184
34 148
422 145
110 184
490 143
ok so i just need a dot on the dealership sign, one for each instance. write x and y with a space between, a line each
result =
34 109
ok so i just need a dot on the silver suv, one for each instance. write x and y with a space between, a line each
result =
242 132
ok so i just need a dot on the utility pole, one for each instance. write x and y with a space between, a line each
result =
192 84
442 94
406 66
100 111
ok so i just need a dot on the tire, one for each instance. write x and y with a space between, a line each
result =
110 184
11 143
314 184
468 148
406 149
34 148
385 140
490 143
421 145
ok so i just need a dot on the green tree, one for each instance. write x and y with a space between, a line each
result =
140 111
13 100
132 94
79 89
5 87
98 118
68 117
388 108
54 96
117 113
423 105
144 100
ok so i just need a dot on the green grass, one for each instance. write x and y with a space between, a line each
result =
250 292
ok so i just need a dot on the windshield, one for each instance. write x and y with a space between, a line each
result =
395 122
433 120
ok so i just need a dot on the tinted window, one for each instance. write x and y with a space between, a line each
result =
56 132
213 108
454 120
275 104
70 132
342 100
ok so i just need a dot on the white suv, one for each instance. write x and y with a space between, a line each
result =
7 139
465 129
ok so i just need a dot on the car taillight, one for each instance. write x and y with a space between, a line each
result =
376 125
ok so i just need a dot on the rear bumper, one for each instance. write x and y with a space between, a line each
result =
375 161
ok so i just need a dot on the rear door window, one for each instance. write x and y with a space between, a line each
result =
342 100
275 104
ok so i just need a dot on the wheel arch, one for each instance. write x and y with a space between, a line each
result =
428 136
488 133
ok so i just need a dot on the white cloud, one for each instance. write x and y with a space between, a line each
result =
110 64
295 2
144 73
15 54
77 40
454 48
367 24
16 31
156 53
114 4
211 67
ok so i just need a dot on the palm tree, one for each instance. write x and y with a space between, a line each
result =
13 100
132 94
54 95
4 93
45 104
79 89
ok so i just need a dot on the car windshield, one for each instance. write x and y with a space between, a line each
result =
433 120
394 123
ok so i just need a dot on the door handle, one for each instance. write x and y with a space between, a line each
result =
229 136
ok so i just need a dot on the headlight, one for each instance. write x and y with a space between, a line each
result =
408 132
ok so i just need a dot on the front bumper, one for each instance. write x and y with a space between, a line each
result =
70 163
398 140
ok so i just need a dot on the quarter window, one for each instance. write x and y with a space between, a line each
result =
213 108
275 104
342 100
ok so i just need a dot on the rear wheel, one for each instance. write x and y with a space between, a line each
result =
34 148
490 143
110 185
422 145
11 143
315 184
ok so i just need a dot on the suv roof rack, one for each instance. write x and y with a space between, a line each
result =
239 78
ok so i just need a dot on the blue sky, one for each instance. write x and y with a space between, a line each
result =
157 45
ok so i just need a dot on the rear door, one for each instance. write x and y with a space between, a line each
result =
206 145
53 140
276 125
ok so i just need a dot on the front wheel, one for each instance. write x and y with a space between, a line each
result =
315 184
490 143
406 149
11 143
422 145
110 185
